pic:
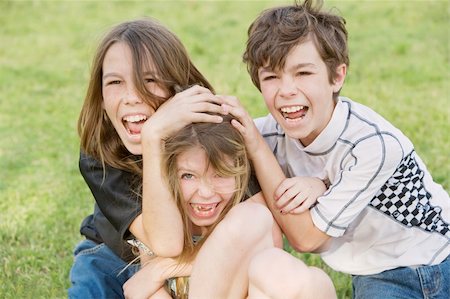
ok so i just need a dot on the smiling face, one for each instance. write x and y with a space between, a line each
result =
121 101
300 95
205 193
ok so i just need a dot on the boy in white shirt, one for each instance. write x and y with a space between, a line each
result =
382 219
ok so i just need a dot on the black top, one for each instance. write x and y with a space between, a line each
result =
116 206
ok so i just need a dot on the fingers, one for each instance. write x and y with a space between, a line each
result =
287 203
302 208
195 104
293 196
285 185
197 93
232 106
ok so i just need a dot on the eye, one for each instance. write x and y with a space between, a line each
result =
113 82
220 176
150 80
304 73
268 78
187 176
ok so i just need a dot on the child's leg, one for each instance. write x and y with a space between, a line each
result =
220 269
161 294
275 273
95 272
421 282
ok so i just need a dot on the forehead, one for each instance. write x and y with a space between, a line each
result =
304 54
193 158
119 54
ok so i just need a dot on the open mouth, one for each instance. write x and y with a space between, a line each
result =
292 113
204 210
134 123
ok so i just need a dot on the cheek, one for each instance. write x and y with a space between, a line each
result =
268 93
157 90
229 188
187 189
109 101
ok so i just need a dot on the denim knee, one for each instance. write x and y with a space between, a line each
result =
95 272
431 282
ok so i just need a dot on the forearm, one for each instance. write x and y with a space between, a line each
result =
298 228
161 220
153 275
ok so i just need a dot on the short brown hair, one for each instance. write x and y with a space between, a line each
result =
277 30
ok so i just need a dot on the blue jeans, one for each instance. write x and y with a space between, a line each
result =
95 270
429 282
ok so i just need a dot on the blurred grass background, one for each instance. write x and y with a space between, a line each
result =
399 53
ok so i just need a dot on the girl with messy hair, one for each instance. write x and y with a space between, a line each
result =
206 171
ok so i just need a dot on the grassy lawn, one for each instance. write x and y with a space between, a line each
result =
399 66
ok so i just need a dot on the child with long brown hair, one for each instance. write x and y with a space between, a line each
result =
136 68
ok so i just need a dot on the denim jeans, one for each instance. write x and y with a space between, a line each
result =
95 272
428 282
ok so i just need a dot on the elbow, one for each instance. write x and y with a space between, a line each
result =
168 250
304 245
162 246
301 246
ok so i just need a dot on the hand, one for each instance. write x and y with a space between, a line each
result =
296 195
152 277
242 122
144 283
191 105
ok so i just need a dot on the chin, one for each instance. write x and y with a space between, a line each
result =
134 149
204 222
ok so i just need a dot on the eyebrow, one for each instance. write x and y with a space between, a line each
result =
302 65
294 67
112 74
150 73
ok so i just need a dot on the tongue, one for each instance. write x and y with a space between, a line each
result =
135 128
294 115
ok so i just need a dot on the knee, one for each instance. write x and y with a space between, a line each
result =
272 264
275 272
247 222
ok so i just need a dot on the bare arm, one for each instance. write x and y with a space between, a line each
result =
152 277
300 230
160 226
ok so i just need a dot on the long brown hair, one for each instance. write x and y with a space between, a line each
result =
219 141
148 41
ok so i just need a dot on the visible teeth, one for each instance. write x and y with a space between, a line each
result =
135 118
204 207
292 109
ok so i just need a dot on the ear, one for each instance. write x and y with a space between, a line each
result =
341 72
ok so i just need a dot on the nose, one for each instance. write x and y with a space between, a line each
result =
205 189
131 97
287 87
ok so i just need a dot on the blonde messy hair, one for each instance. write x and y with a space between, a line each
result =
220 142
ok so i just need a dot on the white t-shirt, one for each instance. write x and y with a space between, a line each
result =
382 207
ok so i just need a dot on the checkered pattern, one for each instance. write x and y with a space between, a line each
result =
405 199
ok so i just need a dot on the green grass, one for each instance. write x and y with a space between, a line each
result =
399 66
